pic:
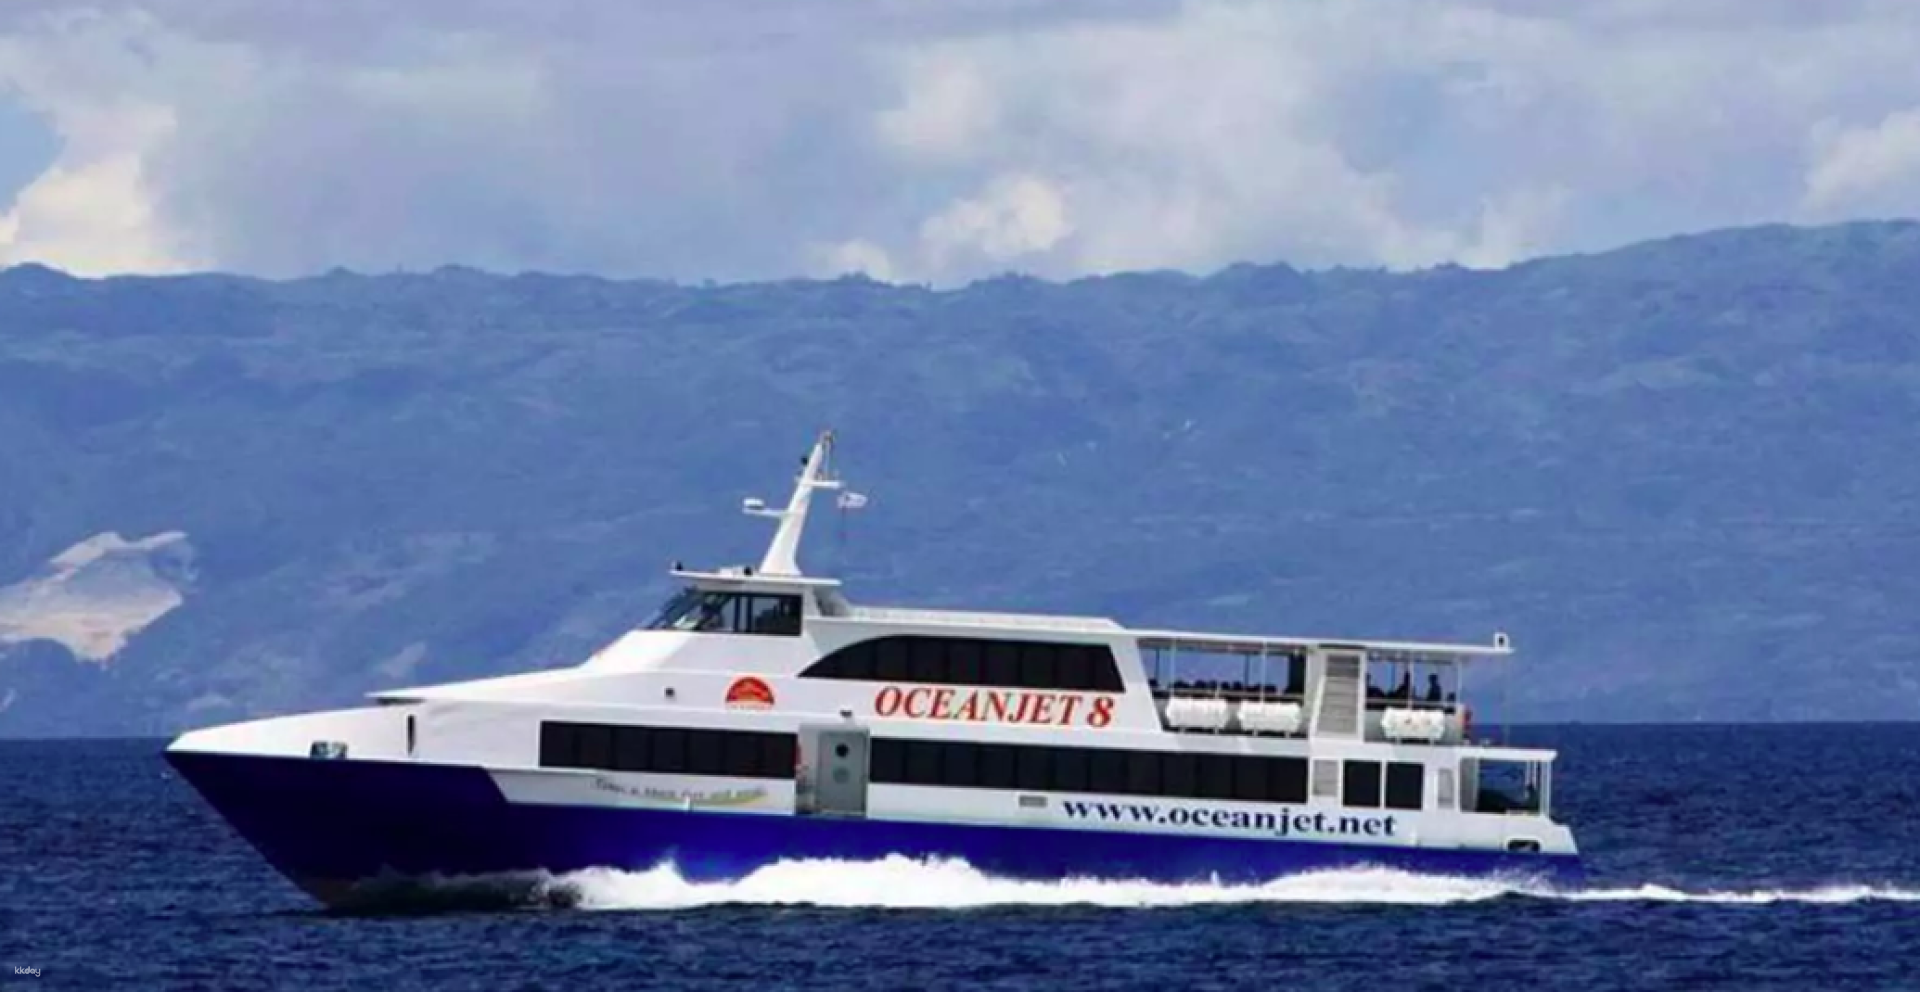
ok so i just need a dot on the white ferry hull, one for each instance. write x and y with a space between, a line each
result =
340 828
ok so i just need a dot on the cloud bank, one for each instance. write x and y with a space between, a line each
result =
941 142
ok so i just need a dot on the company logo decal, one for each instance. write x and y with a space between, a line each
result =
1058 709
749 693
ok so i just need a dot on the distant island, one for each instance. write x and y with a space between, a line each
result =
1684 475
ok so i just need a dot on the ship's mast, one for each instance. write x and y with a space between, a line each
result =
783 554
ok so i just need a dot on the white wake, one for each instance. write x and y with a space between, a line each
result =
900 883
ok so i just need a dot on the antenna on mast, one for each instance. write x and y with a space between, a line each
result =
782 556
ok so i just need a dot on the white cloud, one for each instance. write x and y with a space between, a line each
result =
944 142
1015 216
1861 164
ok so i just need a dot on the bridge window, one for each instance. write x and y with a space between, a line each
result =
667 750
708 611
973 661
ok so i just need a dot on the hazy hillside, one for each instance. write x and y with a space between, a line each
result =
1683 475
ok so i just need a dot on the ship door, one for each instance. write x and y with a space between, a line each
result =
831 779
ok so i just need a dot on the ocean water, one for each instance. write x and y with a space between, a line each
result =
1749 858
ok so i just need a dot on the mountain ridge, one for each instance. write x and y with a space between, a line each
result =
1703 441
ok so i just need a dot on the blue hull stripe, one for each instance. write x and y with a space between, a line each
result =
330 823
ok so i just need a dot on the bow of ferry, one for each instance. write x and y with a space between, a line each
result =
763 716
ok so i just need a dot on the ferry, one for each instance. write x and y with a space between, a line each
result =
763 715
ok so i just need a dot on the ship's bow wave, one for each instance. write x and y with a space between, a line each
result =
906 884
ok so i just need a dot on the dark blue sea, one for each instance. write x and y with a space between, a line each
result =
1749 858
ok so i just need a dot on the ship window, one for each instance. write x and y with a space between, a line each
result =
1251 779
778 755
1070 769
713 612
923 762
1106 770
1404 781
891 661
888 761
669 750
854 662
927 660
1216 776
595 749
961 765
557 746
1003 664
704 754
1179 775
973 661
1075 667
996 766
1360 784
965 662
1143 773
1037 667
1289 782
630 747
1032 768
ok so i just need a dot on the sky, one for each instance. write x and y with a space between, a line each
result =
934 141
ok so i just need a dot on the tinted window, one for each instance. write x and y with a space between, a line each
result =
1179 774
1032 768
595 749
997 766
777 755
1360 784
1239 777
961 765
927 660
891 660
923 762
854 662
1289 781
1075 667
1037 667
887 761
1143 773
1250 779
1107 770
1070 770
1216 776
630 747
966 662
705 755
671 750
1404 781
556 746
972 661
1003 664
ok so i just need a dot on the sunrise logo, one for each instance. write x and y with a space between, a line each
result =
749 693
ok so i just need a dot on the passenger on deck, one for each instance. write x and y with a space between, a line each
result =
1434 692
1405 689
